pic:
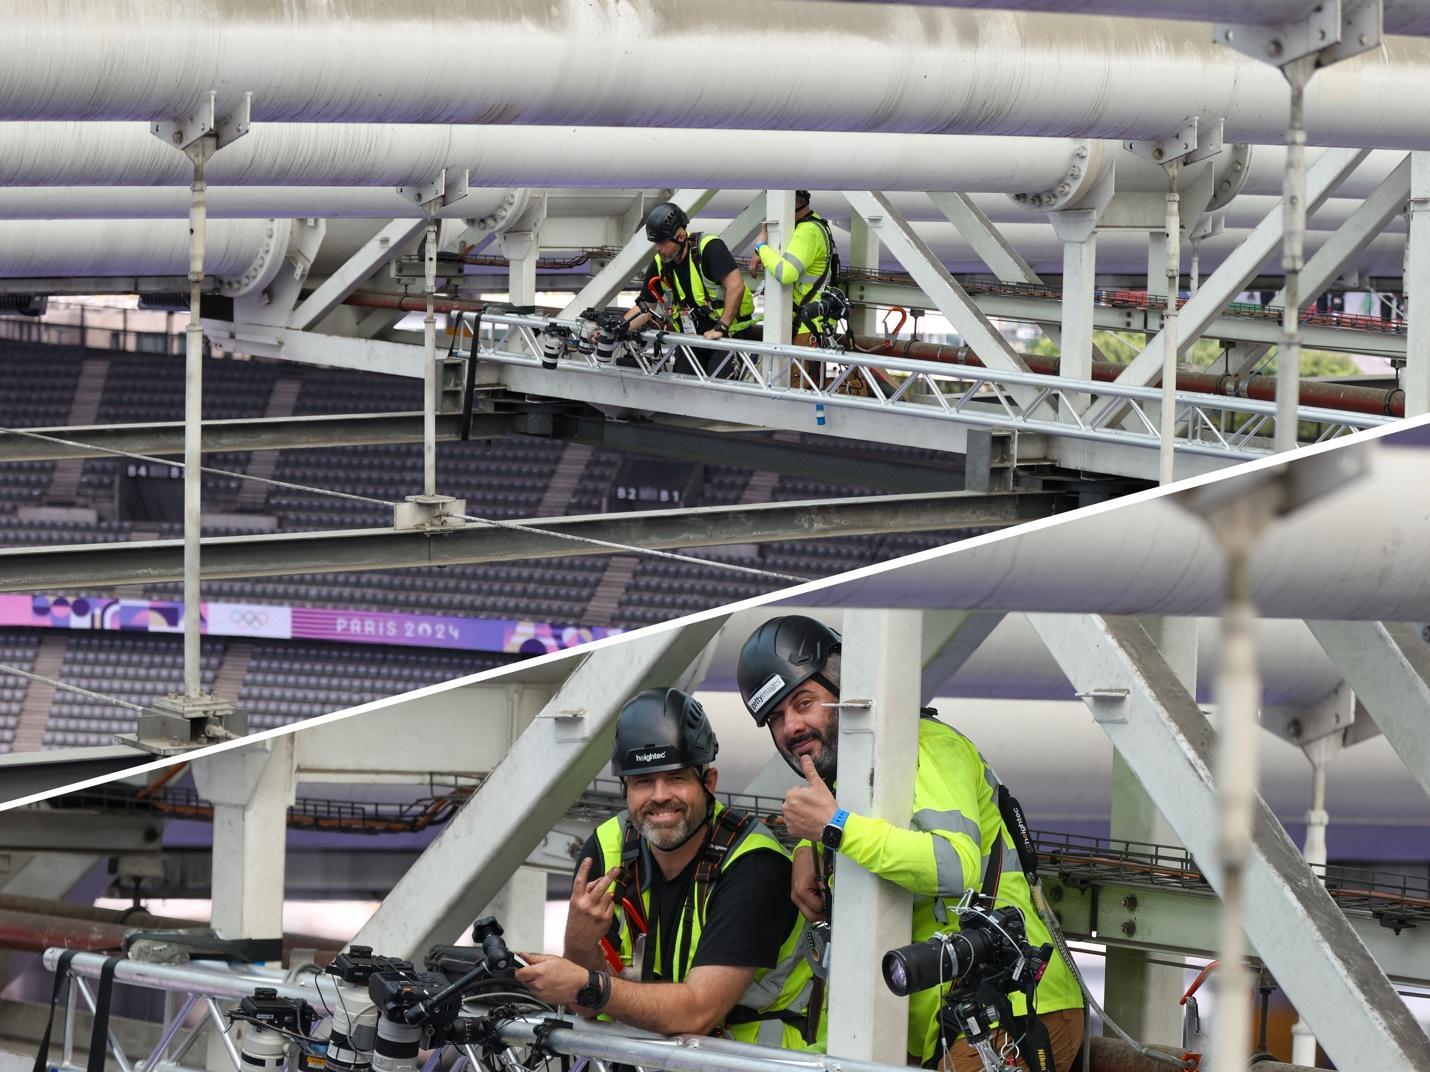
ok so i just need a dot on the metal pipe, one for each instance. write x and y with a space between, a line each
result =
176 1021
1167 459
1331 396
119 1056
216 1018
341 61
1293 199
393 154
1401 16
1238 697
228 984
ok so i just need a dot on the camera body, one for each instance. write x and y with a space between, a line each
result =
990 949
831 306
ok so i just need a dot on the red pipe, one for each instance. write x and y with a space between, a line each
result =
1370 400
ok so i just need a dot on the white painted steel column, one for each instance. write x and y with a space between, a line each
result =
198 153
864 247
1293 204
878 753
1077 230
251 789
1141 996
1417 289
430 387
543 773
521 250
1172 276
779 302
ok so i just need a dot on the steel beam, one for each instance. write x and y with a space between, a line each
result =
1387 664
1301 934
878 753
1185 921
376 253
1048 311
547 768
948 296
950 637
270 555
24 774
47 830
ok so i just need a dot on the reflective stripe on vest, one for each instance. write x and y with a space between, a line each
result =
786 986
706 294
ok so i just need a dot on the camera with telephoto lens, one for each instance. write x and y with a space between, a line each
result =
610 330
555 341
831 306
990 947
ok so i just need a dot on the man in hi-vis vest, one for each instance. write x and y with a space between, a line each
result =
680 918
789 676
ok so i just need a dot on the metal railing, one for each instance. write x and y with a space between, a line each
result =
189 986
1226 428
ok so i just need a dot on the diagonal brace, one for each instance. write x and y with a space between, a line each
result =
1388 667
1298 931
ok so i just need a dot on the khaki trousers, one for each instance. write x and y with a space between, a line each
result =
1064 1032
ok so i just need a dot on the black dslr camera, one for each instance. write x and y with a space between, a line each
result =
984 961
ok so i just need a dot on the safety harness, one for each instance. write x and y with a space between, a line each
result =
703 293
830 273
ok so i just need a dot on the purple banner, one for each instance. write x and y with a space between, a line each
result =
299 623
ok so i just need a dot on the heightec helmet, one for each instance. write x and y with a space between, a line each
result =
662 730
779 657
664 220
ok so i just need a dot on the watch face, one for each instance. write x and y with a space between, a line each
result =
833 835
589 996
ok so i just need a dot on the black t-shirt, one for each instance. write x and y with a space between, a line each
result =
750 913
716 262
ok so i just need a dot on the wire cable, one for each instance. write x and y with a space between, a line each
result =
477 519
116 701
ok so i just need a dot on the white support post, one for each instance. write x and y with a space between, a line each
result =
1143 997
1171 348
546 769
634 256
950 638
864 249
1077 230
251 789
1157 264
1417 289
521 250
1388 666
779 303
1298 930
878 752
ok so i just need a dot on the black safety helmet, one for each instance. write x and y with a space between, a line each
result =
662 730
801 199
779 657
664 220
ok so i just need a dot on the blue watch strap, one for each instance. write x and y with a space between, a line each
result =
840 817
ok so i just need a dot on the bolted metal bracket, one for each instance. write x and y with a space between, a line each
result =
1106 705
1164 150
1333 30
429 513
1300 724
176 724
227 125
447 188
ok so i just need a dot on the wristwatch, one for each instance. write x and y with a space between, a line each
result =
834 830
596 992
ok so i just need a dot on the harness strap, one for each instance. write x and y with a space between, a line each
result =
62 974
